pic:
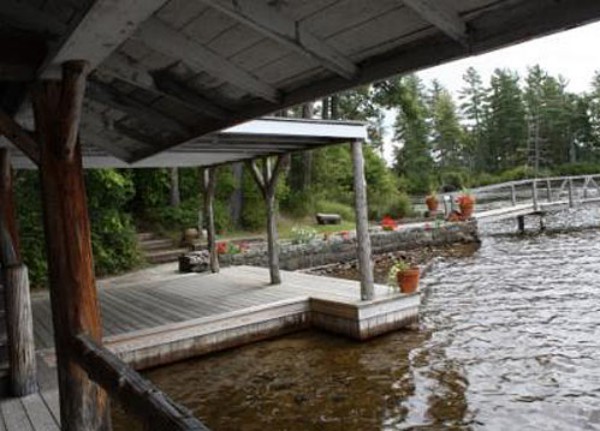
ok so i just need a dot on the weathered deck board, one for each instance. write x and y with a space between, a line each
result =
133 307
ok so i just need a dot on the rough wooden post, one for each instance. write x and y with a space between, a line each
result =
549 191
7 202
363 240
521 224
267 184
534 195
75 309
21 346
210 182
19 321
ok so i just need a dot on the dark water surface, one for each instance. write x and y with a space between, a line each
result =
508 339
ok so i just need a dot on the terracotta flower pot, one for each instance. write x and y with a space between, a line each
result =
408 280
432 203
466 210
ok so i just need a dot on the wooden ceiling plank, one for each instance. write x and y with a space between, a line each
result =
168 41
440 15
292 34
106 25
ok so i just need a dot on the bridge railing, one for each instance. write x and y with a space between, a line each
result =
534 193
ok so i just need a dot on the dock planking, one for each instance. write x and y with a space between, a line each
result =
154 322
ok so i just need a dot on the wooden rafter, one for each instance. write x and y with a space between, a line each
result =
159 83
166 40
268 21
108 96
19 137
442 16
102 30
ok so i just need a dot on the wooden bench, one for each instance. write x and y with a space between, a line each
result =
328 218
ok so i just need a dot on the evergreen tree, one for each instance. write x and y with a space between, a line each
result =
473 107
506 126
446 132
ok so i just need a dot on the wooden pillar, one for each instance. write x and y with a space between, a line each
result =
75 309
19 320
7 202
267 183
571 197
534 195
521 224
363 240
209 181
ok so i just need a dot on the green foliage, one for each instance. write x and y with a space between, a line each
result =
113 236
29 214
397 208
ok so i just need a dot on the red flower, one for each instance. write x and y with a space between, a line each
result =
222 247
388 223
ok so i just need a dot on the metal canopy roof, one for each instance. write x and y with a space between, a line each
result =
266 136
169 71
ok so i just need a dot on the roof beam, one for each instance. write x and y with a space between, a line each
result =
105 26
19 137
442 16
168 41
119 67
108 96
259 16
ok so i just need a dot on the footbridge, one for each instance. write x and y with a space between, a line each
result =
529 197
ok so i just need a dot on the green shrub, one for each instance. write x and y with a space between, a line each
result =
398 208
330 207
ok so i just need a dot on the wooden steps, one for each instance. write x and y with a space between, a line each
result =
159 249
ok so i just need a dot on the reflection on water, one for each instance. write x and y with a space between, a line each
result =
508 339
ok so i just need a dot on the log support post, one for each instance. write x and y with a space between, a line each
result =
534 195
549 191
267 183
209 184
75 309
19 321
363 240
521 224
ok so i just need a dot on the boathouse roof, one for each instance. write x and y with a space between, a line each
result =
168 73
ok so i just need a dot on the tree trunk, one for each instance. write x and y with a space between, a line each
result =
335 114
75 309
175 197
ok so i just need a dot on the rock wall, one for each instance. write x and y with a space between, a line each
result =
337 249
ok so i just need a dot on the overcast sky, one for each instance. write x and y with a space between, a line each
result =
573 54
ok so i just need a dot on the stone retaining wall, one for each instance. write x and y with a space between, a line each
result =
336 249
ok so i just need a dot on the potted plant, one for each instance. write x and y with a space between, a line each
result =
404 276
466 202
432 203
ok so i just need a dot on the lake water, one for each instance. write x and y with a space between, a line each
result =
508 338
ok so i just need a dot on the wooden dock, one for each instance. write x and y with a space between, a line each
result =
36 412
183 315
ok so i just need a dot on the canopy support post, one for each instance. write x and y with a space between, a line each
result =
363 241
209 184
19 321
84 405
267 183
